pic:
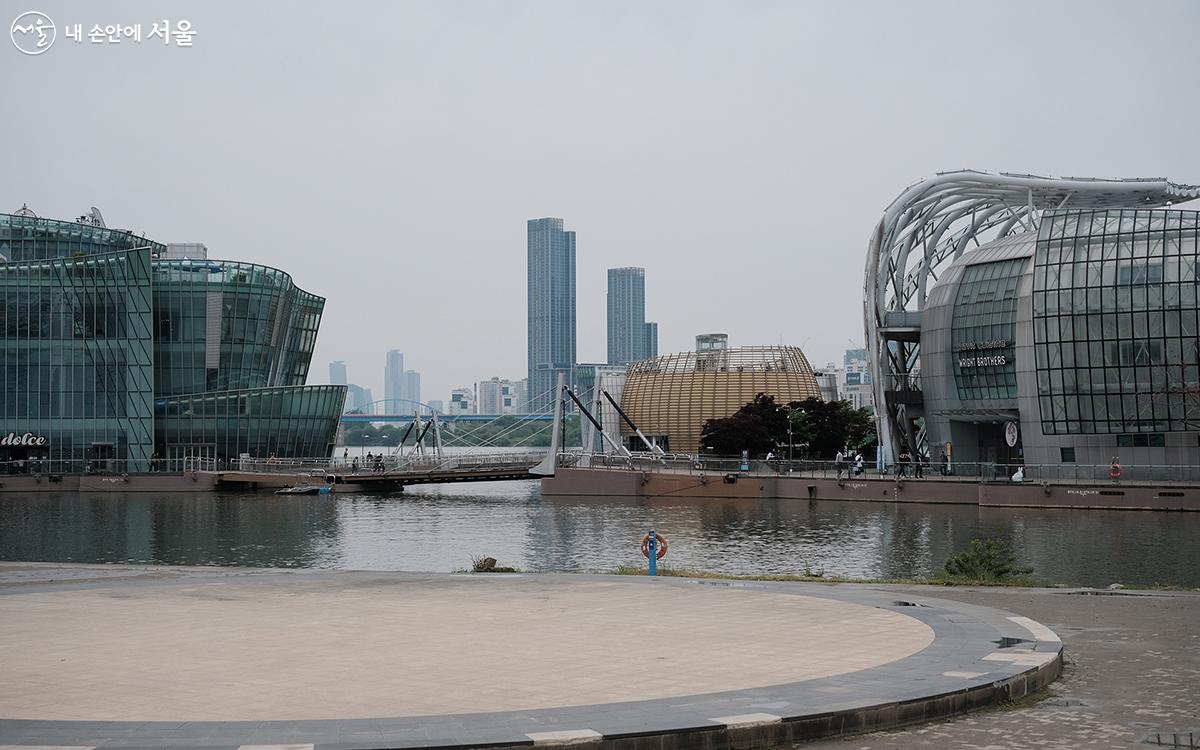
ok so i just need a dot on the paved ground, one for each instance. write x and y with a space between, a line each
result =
230 645
139 657
1132 670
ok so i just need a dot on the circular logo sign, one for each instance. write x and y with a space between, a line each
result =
1010 434
32 32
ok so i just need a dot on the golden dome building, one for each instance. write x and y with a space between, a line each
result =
671 397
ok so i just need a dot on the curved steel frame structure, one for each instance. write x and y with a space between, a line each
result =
933 223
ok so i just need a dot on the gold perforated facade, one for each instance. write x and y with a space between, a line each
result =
672 396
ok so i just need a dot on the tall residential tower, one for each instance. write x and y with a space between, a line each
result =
551 298
393 379
630 337
337 373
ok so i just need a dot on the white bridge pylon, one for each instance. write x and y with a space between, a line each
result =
590 427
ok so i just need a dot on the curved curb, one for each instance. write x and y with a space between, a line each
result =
979 657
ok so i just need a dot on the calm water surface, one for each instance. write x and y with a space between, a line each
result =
439 528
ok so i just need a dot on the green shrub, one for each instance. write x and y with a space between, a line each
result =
488 565
986 560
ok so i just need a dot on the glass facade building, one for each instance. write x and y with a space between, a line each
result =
985 317
1077 342
257 422
1115 322
551 309
111 354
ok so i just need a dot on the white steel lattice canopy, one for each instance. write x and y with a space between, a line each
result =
938 219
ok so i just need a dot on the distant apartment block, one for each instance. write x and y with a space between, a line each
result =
551 308
522 395
630 337
401 388
393 379
462 401
337 373
827 382
499 396
855 386
357 397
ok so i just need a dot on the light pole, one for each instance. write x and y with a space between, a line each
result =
786 409
790 441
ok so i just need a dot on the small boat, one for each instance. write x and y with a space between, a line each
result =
305 489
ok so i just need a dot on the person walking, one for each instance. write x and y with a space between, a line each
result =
919 467
902 463
945 467
838 461
858 465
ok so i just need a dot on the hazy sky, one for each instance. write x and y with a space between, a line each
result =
388 154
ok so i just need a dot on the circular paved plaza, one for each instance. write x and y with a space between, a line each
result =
365 659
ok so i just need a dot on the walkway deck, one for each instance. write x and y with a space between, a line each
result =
390 471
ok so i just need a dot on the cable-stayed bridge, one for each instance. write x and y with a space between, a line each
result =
488 448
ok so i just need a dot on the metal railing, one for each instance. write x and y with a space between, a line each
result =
313 466
105 466
953 472
386 464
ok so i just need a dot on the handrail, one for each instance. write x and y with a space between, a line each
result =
982 472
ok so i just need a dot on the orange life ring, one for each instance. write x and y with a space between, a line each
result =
661 550
1114 471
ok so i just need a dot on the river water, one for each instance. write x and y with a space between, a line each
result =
440 528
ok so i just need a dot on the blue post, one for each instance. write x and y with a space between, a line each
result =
653 553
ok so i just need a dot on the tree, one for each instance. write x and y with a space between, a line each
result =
829 426
762 425
985 560
758 427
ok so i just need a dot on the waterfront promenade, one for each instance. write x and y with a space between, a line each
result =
128 656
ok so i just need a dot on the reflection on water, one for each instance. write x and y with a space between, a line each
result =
439 528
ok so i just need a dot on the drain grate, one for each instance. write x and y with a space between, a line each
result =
1186 739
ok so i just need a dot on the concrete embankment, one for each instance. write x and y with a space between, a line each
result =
652 484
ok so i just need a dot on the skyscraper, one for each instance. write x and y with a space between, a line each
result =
357 397
630 337
393 380
411 392
551 299
626 314
337 373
